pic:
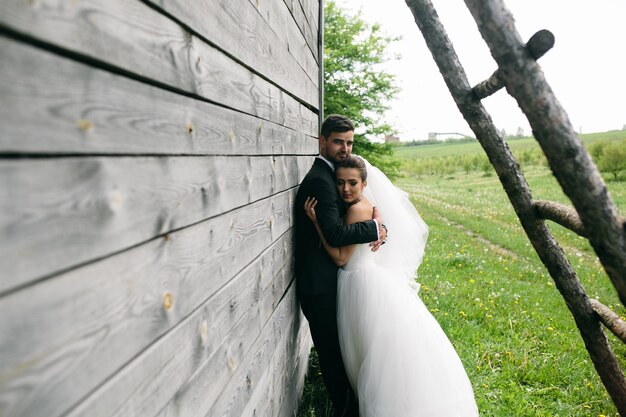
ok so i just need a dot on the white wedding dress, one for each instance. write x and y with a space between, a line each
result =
398 359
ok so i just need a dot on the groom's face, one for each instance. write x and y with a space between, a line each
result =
337 146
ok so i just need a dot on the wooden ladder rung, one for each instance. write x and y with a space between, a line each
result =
561 214
611 320
538 44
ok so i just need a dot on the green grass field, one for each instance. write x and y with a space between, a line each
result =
456 149
487 288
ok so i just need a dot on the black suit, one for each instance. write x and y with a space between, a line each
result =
316 275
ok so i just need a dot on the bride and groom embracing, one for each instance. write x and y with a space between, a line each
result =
381 352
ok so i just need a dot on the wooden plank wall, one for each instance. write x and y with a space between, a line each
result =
149 155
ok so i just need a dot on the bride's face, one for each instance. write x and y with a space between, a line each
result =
349 183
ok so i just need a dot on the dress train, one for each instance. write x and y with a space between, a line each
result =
398 359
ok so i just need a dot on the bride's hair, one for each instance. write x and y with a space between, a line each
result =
353 162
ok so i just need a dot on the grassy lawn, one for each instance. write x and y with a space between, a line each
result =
487 288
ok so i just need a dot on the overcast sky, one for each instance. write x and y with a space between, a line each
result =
586 68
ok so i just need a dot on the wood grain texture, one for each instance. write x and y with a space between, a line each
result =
283 24
149 159
80 109
311 10
538 44
242 307
561 214
70 333
610 319
260 388
235 27
297 378
272 387
309 32
136 38
249 364
58 213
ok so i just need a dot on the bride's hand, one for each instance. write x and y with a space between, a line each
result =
309 208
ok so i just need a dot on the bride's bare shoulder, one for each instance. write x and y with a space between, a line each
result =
360 211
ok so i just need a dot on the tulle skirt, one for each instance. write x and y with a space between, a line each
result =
398 359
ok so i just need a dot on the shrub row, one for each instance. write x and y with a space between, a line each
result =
609 156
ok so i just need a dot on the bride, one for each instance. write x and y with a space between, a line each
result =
397 357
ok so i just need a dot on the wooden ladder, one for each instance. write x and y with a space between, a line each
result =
594 215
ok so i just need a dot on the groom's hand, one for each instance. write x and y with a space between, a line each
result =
382 230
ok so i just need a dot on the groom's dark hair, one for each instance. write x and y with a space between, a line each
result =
336 123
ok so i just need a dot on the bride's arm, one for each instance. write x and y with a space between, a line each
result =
342 254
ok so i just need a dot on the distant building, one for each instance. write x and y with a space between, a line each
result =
391 139
446 135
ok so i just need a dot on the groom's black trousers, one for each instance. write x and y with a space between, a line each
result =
321 313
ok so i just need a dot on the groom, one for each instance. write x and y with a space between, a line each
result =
316 273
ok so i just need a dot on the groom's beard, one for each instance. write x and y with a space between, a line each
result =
339 157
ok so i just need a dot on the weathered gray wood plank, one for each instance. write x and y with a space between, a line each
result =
213 378
276 389
311 10
70 333
80 109
136 38
238 388
311 120
59 213
241 308
290 33
279 18
295 381
309 33
253 42
250 391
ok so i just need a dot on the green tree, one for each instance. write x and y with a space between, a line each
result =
613 159
354 83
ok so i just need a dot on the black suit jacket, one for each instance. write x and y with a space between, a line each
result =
316 273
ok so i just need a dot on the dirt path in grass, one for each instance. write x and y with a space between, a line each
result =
571 251
494 247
